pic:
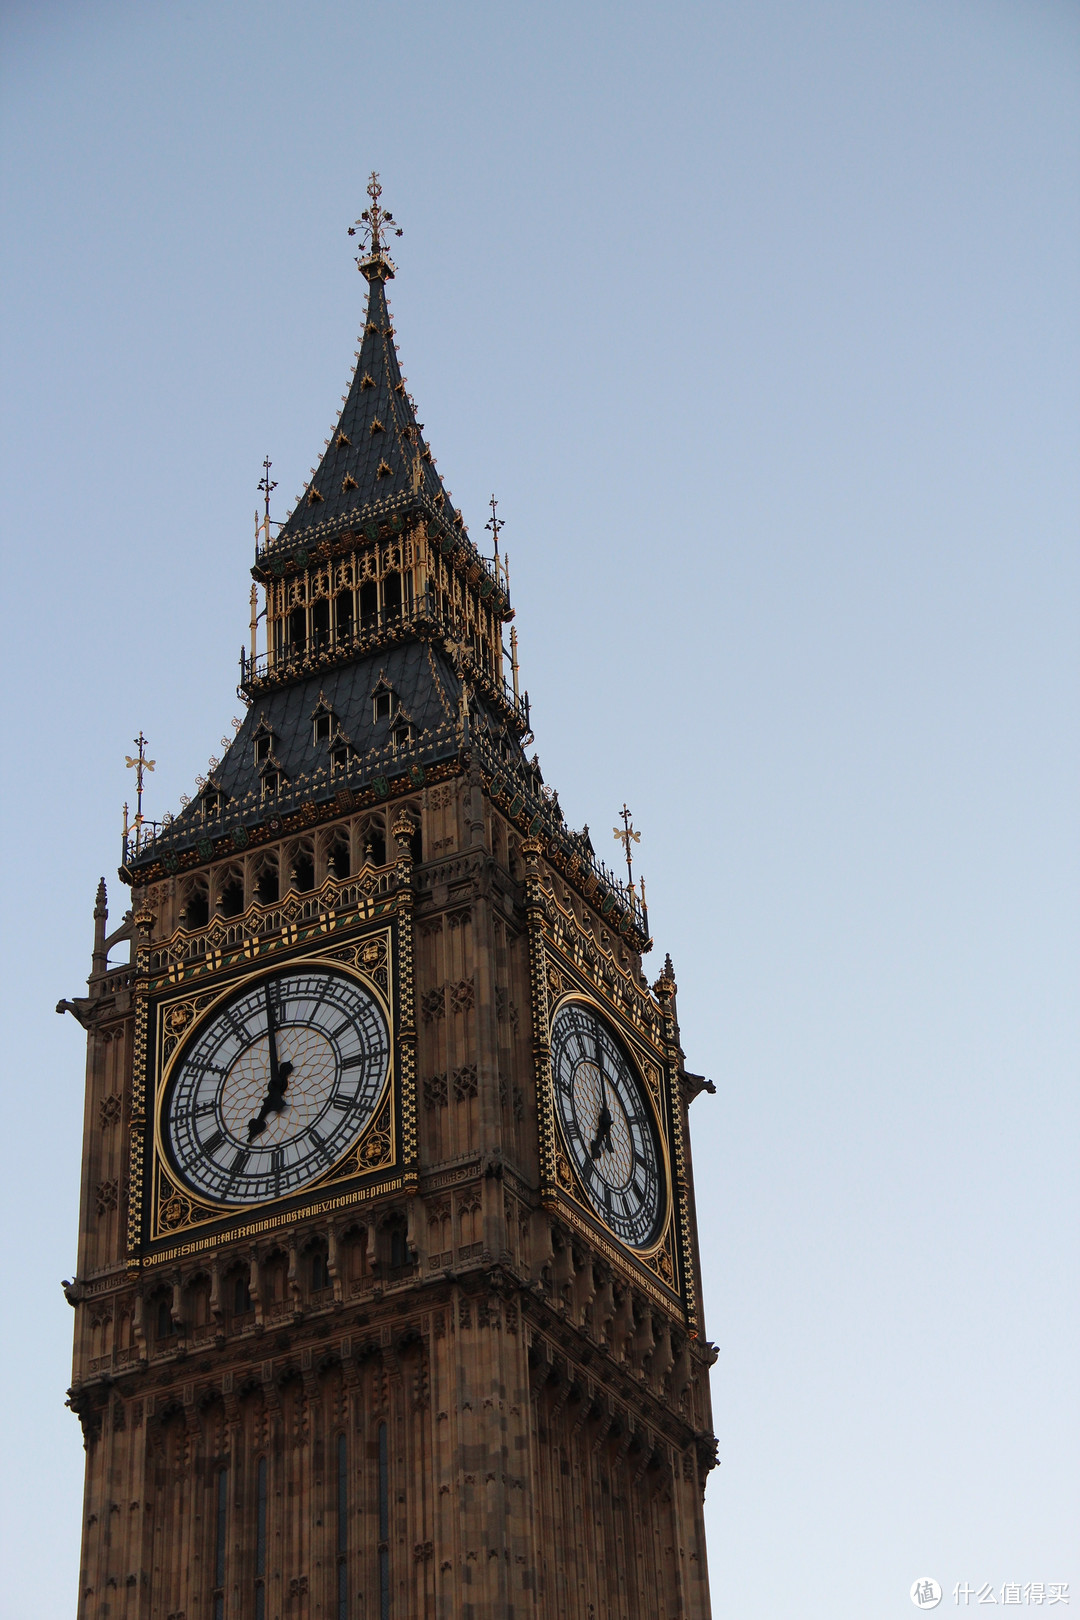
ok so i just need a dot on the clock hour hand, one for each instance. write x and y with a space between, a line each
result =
601 1142
272 1103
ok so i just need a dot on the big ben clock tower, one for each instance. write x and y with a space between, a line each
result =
387 1301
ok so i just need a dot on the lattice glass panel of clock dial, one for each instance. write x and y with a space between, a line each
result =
607 1124
333 1033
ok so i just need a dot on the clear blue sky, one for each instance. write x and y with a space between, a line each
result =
761 321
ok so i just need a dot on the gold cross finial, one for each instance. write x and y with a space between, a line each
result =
139 764
372 225
625 835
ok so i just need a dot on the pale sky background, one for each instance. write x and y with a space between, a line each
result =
761 321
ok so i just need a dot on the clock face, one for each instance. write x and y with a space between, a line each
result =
607 1124
275 1085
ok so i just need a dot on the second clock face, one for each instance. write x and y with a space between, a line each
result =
607 1124
278 1082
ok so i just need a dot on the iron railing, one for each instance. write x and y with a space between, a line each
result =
200 825
265 922
294 661
387 520
512 781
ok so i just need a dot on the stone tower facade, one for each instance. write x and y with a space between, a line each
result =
387 1300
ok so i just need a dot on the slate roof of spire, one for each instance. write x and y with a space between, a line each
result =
376 458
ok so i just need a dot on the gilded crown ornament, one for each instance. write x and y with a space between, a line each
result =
373 226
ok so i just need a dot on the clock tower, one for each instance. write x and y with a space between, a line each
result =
387 1303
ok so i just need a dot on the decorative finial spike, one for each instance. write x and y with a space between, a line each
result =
495 525
140 765
625 835
375 224
265 485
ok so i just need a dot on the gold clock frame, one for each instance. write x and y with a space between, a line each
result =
173 1211
569 1182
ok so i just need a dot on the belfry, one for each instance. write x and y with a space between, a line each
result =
387 1303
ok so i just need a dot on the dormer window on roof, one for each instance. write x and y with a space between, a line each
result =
262 742
212 800
322 723
384 702
270 782
403 734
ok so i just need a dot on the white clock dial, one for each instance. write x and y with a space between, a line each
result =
607 1124
276 1085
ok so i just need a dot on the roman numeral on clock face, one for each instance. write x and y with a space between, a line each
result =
237 1167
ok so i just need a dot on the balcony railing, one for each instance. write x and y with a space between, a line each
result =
510 780
202 826
384 520
527 804
265 922
295 660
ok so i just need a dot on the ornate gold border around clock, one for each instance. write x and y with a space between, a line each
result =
175 1209
649 1073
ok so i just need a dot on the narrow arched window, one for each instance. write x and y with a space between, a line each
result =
260 1542
337 856
196 912
231 897
384 1524
303 870
320 1273
220 1526
345 616
342 1528
392 596
320 622
267 887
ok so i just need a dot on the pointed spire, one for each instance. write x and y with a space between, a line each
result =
376 460
100 959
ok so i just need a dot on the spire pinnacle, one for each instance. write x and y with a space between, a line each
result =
626 836
496 523
375 224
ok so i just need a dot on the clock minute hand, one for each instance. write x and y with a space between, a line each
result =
274 1101
604 1121
271 1038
